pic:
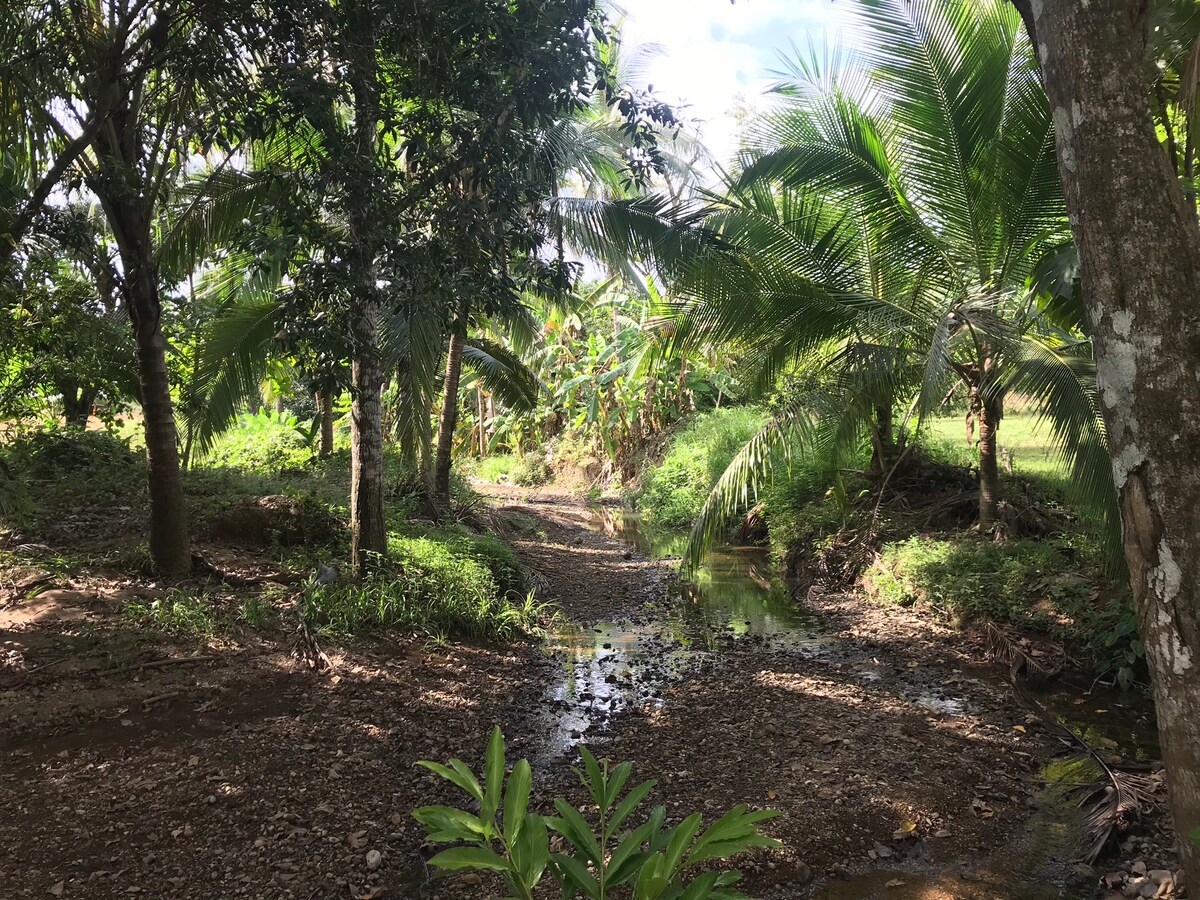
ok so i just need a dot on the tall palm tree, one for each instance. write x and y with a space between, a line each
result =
885 224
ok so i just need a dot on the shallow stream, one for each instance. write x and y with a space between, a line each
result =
737 597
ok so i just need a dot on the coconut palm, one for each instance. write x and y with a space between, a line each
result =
884 225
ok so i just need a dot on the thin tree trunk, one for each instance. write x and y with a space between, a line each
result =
170 541
482 428
77 403
368 531
324 400
449 417
1139 245
989 475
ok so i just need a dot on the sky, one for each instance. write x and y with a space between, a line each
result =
717 54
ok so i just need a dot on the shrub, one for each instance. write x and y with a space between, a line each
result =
532 470
1036 585
673 492
607 859
443 580
263 442
75 468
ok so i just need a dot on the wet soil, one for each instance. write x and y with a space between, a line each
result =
170 767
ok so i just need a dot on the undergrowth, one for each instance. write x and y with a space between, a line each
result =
441 581
674 491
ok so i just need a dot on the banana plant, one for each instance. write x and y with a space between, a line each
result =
605 858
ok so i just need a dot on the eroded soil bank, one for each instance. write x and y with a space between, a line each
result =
903 764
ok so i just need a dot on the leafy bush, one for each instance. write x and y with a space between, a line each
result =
177 612
673 492
647 862
442 580
532 470
1037 585
74 468
497 468
264 442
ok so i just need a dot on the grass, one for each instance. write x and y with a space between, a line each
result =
673 491
446 581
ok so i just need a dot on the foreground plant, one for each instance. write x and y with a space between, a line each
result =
605 859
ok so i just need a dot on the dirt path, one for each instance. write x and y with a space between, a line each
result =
240 774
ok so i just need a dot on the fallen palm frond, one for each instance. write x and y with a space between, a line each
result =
1006 650
1117 796
1114 801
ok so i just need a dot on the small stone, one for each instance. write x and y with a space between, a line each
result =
374 859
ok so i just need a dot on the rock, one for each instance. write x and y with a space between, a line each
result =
1133 887
374 859
276 518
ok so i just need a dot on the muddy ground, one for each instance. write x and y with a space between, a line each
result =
146 765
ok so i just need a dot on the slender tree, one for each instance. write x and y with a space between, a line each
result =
117 95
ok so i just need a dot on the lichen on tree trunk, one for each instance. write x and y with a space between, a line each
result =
1139 245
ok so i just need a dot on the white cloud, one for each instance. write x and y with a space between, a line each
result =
719 54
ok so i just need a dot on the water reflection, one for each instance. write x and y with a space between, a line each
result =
608 666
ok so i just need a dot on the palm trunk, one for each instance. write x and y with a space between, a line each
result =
324 400
170 542
989 473
449 417
1139 245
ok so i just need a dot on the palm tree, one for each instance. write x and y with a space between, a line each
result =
884 225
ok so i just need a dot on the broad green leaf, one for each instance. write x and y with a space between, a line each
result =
465 780
516 798
531 852
573 827
469 858
631 801
574 873
493 775
447 819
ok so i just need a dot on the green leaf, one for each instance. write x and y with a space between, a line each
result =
516 798
575 874
632 800
573 827
493 775
531 852
456 773
446 820
616 781
595 781
469 858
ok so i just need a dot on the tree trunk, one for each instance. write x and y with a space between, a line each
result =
324 400
77 403
1139 246
989 474
170 542
449 417
368 532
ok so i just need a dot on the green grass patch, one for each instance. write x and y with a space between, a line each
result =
674 491
440 581
1052 586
